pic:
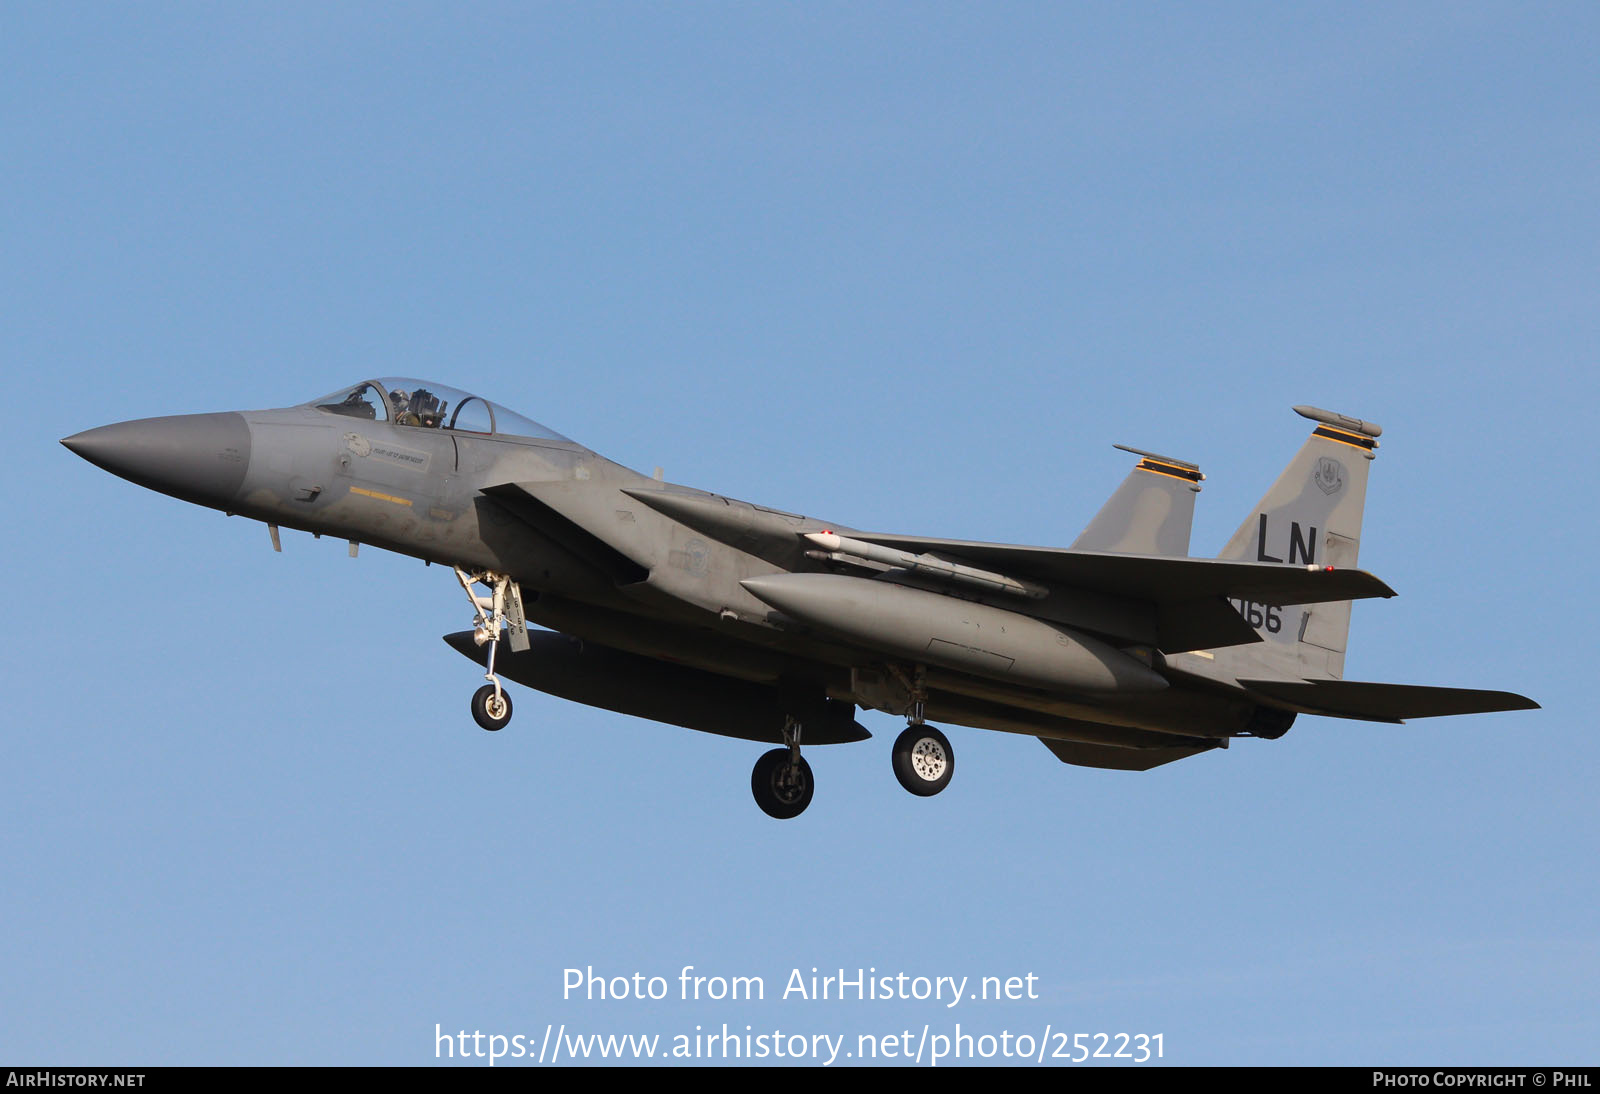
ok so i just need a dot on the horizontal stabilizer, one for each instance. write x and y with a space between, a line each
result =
1120 759
1384 702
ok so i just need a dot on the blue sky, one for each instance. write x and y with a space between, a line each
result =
908 267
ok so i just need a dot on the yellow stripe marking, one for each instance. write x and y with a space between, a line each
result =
380 497
1361 442
1162 470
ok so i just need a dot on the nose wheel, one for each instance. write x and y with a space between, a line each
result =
491 707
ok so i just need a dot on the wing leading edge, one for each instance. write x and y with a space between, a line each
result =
1157 578
1190 594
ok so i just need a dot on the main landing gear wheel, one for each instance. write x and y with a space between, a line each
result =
923 760
491 707
782 784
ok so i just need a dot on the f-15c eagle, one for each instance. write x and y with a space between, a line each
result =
687 607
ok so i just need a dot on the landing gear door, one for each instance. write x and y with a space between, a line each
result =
516 622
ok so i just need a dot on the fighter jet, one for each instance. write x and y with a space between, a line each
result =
687 607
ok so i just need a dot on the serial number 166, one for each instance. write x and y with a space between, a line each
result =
1259 615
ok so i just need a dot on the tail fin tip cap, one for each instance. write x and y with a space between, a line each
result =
1342 421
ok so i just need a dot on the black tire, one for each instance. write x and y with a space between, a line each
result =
781 790
923 760
483 704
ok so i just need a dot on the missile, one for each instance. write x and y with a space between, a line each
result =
928 565
599 676
771 535
928 628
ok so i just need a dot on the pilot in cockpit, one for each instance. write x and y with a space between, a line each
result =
417 408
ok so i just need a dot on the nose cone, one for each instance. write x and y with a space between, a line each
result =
197 457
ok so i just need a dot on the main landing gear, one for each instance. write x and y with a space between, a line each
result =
491 705
782 782
923 758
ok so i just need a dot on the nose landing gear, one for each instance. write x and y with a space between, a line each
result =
491 705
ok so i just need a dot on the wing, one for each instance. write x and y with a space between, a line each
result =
1177 604
1157 578
1190 595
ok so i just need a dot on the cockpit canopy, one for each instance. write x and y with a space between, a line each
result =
422 404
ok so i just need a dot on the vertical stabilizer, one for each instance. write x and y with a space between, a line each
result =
1152 511
1310 517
